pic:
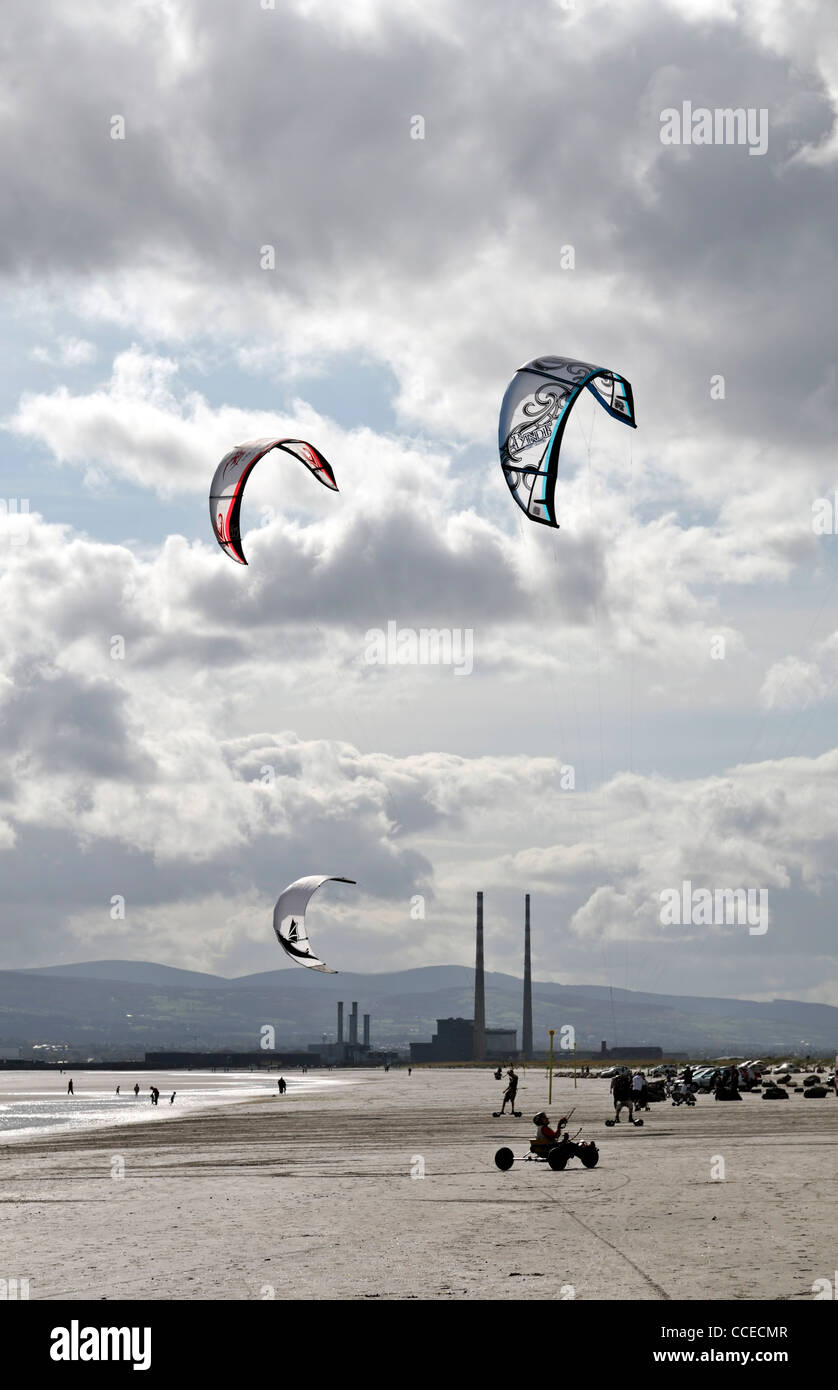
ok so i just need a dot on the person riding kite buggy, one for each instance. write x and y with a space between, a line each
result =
544 1134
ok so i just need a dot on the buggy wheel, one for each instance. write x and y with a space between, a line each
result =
589 1154
557 1158
504 1158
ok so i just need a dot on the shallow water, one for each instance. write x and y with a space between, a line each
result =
33 1102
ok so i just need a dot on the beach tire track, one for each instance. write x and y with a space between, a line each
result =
662 1293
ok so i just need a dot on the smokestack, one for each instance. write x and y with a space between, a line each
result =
353 1023
479 1050
366 1030
340 1021
526 1034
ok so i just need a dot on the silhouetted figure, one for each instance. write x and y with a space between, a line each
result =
409 1070
172 1100
155 1095
70 1091
622 1093
136 1088
117 1090
511 1090
282 1085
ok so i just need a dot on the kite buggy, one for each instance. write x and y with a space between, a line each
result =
552 1147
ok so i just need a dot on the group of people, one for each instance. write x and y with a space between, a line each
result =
153 1090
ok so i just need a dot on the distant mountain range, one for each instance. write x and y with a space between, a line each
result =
133 1006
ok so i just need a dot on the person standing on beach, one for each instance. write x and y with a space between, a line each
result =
283 1085
621 1091
136 1088
172 1100
117 1090
70 1091
638 1091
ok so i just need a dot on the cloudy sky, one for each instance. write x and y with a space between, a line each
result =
350 221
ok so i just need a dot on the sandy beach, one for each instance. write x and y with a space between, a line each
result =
311 1197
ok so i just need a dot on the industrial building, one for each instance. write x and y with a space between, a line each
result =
453 1041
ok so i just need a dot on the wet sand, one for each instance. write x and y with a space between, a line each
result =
311 1196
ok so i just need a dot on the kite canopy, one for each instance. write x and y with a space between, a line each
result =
232 473
290 924
533 415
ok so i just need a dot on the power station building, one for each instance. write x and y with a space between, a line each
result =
454 1041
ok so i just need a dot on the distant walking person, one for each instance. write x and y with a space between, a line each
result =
117 1090
283 1085
70 1091
136 1088
409 1070
155 1095
172 1100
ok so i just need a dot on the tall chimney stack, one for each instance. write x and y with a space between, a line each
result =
526 1035
479 1051
366 1030
340 1021
353 1024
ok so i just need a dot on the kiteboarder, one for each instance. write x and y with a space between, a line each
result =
511 1091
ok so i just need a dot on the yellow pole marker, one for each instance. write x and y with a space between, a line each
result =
552 1033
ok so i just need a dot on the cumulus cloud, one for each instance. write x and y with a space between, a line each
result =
792 684
191 735
67 352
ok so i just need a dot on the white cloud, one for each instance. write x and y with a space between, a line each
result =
67 352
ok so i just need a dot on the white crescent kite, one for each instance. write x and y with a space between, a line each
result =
290 919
